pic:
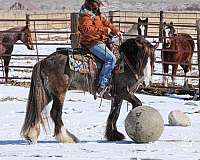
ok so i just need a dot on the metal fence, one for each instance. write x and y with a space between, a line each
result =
184 22
54 29
48 30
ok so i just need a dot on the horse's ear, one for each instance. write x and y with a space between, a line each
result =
171 23
139 19
164 23
146 20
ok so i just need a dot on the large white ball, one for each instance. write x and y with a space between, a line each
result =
144 124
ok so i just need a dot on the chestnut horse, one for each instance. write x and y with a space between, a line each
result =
52 77
177 50
7 40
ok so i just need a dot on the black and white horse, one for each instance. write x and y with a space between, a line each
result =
49 83
138 29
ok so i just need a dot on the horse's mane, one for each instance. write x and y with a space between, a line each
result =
129 49
137 55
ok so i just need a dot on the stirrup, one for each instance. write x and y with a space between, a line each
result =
104 93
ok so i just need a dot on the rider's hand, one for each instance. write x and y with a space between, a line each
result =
120 35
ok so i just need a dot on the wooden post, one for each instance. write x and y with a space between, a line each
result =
161 27
28 20
161 41
111 16
198 50
74 30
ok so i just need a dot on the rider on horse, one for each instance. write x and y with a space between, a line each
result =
94 30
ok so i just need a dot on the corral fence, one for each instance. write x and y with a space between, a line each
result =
184 22
48 31
54 29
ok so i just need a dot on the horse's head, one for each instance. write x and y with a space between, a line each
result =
140 56
142 27
168 33
26 37
148 52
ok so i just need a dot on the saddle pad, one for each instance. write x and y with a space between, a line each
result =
83 63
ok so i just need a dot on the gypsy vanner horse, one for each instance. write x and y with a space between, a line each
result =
7 40
48 82
177 50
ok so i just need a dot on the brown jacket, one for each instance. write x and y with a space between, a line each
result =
94 29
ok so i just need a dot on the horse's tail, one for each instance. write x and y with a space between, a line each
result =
38 98
191 41
192 44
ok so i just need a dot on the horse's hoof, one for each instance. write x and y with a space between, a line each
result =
114 136
66 137
31 140
74 138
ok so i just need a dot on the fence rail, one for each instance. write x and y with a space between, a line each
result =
52 27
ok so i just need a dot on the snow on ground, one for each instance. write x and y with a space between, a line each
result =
83 117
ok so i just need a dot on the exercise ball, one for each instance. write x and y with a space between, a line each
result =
144 124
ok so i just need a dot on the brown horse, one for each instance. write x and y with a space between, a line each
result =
177 50
7 40
52 77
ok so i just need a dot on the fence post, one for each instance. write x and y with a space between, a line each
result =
198 50
161 40
74 30
161 27
27 20
111 16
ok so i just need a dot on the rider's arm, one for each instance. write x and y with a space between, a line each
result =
87 26
108 24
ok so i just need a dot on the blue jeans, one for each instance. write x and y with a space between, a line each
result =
102 52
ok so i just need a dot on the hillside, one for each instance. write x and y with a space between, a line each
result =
143 5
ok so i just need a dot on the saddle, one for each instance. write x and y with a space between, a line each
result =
83 61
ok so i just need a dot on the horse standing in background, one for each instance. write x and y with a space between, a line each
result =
140 28
7 40
177 50
52 77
